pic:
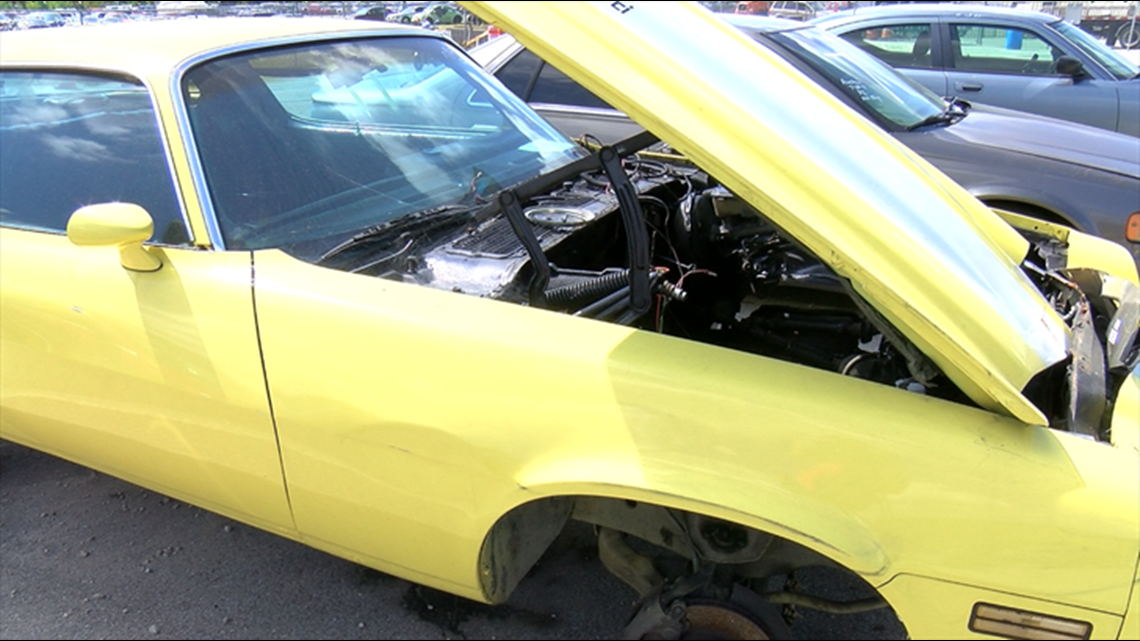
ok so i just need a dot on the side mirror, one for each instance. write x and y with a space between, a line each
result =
122 225
1070 66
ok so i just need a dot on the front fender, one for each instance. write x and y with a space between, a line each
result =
406 434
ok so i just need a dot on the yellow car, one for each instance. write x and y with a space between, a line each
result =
332 280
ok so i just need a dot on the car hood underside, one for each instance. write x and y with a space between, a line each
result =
928 257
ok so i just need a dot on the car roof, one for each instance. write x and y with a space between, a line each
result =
144 47
763 24
919 10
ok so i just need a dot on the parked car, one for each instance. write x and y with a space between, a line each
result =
1055 170
406 14
1012 58
41 20
109 17
342 285
754 8
439 14
9 21
795 10
375 12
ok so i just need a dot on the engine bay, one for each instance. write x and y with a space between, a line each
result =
646 240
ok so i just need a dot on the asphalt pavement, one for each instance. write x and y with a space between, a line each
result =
87 556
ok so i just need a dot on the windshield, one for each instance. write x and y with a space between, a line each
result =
1116 64
301 146
890 96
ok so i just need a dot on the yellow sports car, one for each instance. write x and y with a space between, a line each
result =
332 280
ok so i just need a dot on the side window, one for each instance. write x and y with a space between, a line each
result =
552 87
899 45
556 88
68 140
991 49
518 73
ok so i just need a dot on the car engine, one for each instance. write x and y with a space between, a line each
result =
646 240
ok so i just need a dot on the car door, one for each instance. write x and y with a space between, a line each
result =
910 45
153 376
1016 67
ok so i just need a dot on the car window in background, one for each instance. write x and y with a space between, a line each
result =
882 90
551 86
68 140
997 49
901 45
1116 64
554 87
517 74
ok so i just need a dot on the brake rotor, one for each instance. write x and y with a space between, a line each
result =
718 621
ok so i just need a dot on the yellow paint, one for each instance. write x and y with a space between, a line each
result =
409 420
947 608
153 377
417 417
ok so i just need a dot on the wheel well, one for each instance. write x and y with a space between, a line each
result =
650 546
1033 211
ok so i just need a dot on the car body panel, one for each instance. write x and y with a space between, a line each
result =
607 410
1077 175
1131 627
1126 417
945 599
1076 146
208 435
891 280
1098 98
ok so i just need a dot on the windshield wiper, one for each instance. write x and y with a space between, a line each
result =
956 109
960 107
405 231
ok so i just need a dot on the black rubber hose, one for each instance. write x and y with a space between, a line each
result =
587 291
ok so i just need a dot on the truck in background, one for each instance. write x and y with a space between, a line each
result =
755 8
1114 22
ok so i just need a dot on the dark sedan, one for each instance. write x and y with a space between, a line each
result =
1084 177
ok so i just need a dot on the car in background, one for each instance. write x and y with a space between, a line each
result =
9 21
376 12
109 17
795 10
338 283
753 8
439 14
41 20
406 13
1063 172
1019 59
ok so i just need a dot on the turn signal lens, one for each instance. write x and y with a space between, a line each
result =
1020 624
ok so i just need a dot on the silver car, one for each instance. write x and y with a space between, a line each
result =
1083 177
1012 58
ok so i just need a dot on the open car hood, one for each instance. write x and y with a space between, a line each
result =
935 262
